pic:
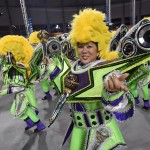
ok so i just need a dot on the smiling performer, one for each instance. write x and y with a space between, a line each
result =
94 126
94 85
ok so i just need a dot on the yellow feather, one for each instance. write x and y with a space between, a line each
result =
88 26
33 39
19 46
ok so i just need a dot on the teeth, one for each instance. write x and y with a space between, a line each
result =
85 57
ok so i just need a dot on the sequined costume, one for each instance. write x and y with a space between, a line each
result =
34 41
15 79
92 123
89 110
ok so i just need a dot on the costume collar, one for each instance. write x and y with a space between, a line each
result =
78 67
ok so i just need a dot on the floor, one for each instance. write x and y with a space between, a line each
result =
13 137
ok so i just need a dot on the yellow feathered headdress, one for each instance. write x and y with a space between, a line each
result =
88 26
33 39
148 18
113 32
18 46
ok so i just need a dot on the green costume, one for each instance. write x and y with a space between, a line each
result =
92 124
69 52
143 85
14 75
88 108
24 105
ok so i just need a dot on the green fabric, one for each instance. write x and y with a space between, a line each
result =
4 92
90 106
51 68
96 80
29 101
143 69
112 96
22 70
93 93
145 92
80 132
31 98
79 137
45 84
34 62
79 121
24 104
134 90
116 136
96 76
16 78
58 81
29 113
57 61
20 104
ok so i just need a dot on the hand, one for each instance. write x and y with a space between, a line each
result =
115 84
46 61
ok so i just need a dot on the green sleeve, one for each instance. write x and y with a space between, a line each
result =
111 96
4 92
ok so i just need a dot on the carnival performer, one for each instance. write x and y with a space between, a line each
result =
93 126
16 52
45 84
93 86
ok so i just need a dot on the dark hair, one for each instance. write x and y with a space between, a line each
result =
96 43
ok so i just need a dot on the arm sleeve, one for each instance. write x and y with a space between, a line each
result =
12 89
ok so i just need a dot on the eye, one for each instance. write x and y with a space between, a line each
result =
80 46
89 46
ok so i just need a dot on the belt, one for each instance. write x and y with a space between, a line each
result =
90 119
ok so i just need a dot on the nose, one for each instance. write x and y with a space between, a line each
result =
84 49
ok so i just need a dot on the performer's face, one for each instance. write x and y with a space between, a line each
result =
87 52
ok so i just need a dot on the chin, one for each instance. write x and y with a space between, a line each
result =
85 62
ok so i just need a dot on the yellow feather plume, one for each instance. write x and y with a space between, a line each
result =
88 26
148 18
33 39
19 46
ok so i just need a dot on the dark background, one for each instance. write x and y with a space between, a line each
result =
46 14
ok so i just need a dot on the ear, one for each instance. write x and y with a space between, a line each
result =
98 52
